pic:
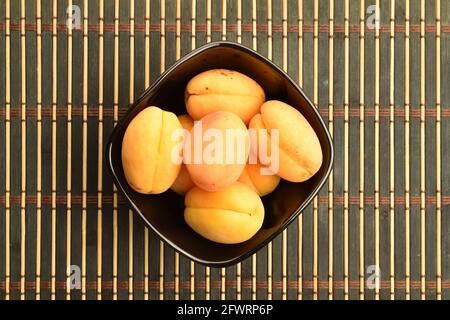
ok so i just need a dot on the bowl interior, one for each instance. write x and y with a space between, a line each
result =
164 212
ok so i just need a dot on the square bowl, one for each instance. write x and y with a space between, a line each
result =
163 213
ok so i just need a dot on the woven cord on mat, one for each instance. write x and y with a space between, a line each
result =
376 82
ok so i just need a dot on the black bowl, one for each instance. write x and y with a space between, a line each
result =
163 213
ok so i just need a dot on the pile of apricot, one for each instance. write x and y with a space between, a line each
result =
222 187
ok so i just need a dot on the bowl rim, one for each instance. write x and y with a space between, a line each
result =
155 85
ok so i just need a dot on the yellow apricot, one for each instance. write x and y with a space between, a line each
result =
300 153
217 151
223 90
232 215
262 182
147 149
183 183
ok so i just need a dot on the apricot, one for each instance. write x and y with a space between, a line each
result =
186 121
232 215
223 90
262 182
300 154
147 149
217 150
183 182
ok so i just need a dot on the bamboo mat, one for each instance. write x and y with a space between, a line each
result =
387 202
